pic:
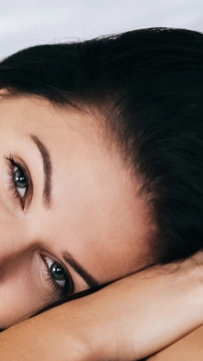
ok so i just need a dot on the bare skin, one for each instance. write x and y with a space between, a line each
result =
127 321
109 241
187 349
67 202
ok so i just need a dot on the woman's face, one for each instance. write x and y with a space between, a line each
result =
70 216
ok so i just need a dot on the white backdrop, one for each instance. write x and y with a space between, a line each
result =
48 21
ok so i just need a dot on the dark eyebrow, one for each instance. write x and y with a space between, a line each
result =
90 280
47 168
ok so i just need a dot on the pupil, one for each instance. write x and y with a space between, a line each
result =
20 179
57 271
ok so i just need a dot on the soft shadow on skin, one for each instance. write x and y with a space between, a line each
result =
71 298
82 294
59 302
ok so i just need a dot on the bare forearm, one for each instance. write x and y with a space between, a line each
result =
187 349
128 320
52 335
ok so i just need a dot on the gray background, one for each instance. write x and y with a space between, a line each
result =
25 23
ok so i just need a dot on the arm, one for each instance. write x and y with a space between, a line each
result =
128 320
187 349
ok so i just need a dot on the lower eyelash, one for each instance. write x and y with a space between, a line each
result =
11 164
61 292
10 178
50 281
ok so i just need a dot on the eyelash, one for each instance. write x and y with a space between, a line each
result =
63 291
68 288
12 186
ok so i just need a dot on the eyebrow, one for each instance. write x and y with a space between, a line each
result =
89 279
47 168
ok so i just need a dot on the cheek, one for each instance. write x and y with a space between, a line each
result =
18 293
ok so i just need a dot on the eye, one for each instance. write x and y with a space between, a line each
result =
60 278
57 272
20 181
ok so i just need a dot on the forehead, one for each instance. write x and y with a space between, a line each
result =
39 109
95 205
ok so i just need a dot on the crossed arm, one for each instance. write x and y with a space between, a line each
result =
129 320
187 349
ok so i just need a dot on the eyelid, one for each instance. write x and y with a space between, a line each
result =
62 291
12 163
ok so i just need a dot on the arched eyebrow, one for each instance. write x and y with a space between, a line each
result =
89 279
47 168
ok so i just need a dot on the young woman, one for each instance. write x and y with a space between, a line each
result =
101 177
